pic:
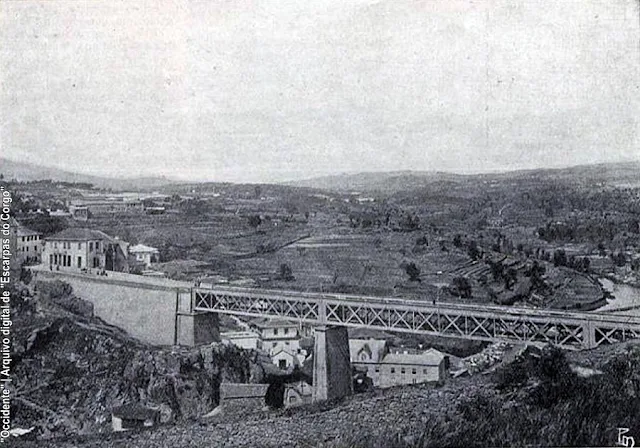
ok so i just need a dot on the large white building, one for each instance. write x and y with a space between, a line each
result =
78 249
388 368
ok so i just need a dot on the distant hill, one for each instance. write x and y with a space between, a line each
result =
384 182
618 174
23 171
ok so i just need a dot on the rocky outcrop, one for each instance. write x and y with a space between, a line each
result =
71 370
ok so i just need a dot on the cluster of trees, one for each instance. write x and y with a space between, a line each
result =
560 258
592 230
396 219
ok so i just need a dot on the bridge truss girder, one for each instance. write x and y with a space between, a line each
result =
571 331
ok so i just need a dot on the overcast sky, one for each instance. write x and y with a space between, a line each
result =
270 90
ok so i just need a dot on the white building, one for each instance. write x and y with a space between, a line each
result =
144 254
78 249
247 340
287 359
277 334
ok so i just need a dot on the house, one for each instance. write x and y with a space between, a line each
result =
144 254
409 368
101 206
80 249
296 394
79 213
278 333
287 359
242 397
247 340
28 245
133 416
367 351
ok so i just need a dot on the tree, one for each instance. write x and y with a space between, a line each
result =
285 273
462 286
510 278
559 258
413 272
497 269
473 251
255 221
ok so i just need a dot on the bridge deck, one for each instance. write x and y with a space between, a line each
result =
491 323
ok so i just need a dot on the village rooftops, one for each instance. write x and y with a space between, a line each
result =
23 231
75 234
428 358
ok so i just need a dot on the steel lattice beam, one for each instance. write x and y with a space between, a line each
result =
569 330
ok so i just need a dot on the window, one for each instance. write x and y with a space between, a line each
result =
23 239
292 399
90 245
282 363
79 262
79 246
424 371
286 343
414 371
97 245
55 245
377 369
275 331
403 370
393 370
286 330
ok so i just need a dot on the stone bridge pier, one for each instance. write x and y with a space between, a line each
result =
332 377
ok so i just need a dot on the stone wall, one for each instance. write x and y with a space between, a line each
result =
156 314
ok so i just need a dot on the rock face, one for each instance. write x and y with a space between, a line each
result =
70 370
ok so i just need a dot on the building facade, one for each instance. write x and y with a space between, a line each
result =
247 340
144 254
29 245
278 334
83 249
398 369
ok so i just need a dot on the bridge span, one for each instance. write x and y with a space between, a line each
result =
165 312
570 330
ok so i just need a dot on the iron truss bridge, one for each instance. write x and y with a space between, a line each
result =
486 323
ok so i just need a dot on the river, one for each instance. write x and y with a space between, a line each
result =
625 296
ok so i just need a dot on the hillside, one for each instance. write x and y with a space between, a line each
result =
71 369
24 172
545 398
618 174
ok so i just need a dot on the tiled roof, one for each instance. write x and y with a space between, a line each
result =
76 234
140 248
428 358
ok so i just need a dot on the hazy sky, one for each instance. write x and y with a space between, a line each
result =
266 90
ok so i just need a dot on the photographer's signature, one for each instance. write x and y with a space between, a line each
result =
626 441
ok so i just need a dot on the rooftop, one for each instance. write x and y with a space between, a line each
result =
76 234
141 248
264 322
428 358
